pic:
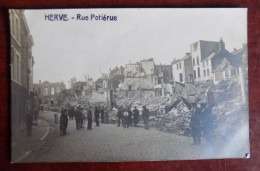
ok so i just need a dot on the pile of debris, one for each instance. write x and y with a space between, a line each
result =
113 115
177 120
230 116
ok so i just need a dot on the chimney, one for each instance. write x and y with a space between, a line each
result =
40 81
221 44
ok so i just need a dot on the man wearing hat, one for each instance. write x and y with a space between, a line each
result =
145 116
195 122
78 117
90 118
136 115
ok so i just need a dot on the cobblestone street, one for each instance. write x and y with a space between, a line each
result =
111 143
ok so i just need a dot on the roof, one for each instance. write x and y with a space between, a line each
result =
147 60
207 48
187 55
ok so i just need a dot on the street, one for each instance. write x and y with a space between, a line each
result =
111 143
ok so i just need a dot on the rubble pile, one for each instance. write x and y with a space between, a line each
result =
230 116
172 114
177 120
112 115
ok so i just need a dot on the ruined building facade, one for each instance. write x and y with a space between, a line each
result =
145 75
47 91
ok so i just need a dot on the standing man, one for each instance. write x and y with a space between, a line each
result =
136 116
78 117
195 124
90 118
96 116
145 116
28 121
120 115
63 122
130 115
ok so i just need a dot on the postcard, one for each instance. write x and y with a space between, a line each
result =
130 84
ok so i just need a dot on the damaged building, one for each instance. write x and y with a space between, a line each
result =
47 91
145 75
207 60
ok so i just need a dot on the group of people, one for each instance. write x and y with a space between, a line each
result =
201 121
127 117
81 114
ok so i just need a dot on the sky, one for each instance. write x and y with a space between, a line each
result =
75 48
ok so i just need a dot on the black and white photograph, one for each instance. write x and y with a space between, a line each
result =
128 84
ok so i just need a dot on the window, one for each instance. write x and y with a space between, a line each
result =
208 72
181 78
177 66
227 73
198 60
204 73
52 91
207 61
193 61
203 63
16 28
11 21
194 73
180 65
198 72
17 68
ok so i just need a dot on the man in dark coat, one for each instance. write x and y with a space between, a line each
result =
195 124
97 116
136 116
145 116
28 121
120 115
90 118
63 122
78 117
